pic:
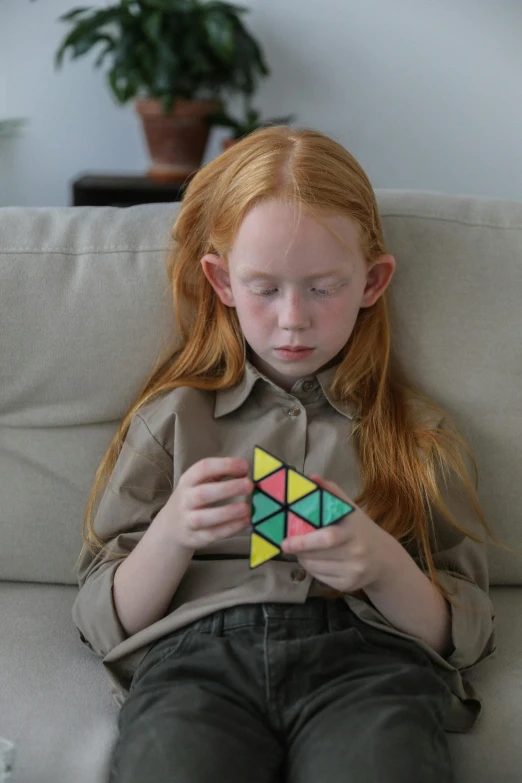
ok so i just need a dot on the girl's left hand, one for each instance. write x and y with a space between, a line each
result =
348 556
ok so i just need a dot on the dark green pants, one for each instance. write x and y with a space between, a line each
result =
284 692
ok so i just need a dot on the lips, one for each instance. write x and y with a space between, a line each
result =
294 348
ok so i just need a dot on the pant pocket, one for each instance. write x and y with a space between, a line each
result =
376 641
160 651
174 644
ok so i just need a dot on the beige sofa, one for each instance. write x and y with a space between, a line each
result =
84 314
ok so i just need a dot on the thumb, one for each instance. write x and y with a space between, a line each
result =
329 485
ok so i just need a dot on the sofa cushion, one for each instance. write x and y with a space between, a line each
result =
56 703
62 719
85 316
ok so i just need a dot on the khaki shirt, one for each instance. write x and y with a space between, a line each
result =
307 429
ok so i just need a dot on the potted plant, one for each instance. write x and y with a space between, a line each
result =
250 122
177 59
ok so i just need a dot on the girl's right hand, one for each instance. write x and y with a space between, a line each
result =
191 520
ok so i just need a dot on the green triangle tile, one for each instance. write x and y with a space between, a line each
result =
334 508
263 507
309 508
274 528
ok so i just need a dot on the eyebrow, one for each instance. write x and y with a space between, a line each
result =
247 273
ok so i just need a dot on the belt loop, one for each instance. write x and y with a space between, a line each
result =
331 616
217 623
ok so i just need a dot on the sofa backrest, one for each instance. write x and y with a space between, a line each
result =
85 316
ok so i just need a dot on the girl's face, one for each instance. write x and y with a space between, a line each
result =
295 285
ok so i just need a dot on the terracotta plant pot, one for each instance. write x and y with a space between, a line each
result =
176 141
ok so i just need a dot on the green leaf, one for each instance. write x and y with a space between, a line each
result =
220 35
227 7
152 26
109 48
167 66
84 29
84 45
72 14
117 86
252 116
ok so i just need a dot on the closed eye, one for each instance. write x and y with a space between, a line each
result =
326 291
321 291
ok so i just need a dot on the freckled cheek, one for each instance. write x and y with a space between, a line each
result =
254 312
336 320
331 320
252 307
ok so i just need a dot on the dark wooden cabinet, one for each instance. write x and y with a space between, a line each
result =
110 190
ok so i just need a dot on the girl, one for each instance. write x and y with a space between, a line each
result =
339 660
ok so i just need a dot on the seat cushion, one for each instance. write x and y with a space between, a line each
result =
57 708
55 702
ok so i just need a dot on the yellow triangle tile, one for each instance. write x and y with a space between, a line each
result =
261 550
264 463
298 486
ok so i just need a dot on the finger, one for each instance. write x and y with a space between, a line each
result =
309 542
210 517
335 555
321 569
331 486
215 469
327 538
208 535
204 494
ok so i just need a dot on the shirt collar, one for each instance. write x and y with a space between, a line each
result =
325 378
228 400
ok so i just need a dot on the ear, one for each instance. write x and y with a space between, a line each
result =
216 272
378 278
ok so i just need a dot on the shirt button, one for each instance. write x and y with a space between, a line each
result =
298 574
294 412
307 385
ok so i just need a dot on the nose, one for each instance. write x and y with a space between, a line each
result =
294 312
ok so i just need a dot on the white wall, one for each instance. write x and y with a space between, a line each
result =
427 94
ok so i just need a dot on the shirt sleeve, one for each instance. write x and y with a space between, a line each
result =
462 568
139 487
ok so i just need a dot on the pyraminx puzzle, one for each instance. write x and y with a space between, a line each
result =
286 503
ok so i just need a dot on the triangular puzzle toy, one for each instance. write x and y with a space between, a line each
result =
286 503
